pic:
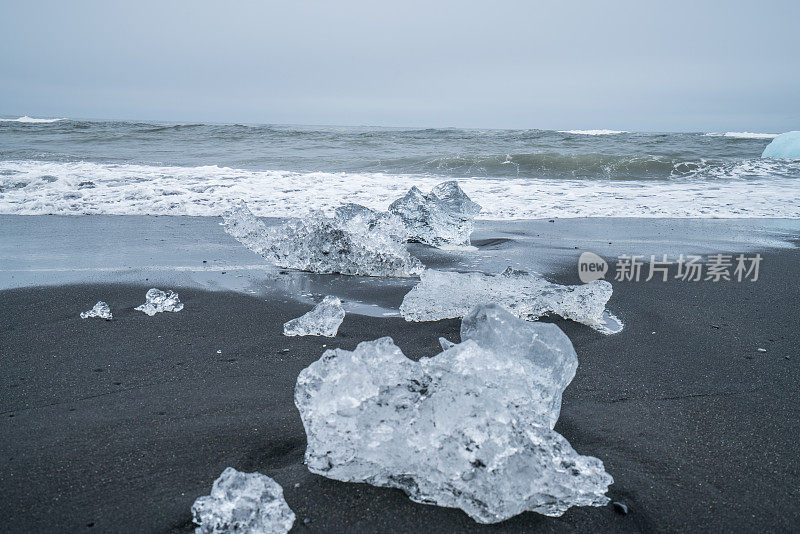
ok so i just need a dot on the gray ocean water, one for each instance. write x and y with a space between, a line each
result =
79 166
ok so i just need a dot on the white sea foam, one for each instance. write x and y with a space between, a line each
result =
743 135
31 120
593 132
37 187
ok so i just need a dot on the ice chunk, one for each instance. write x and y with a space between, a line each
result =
445 343
443 294
245 503
470 428
100 309
785 146
158 301
356 240
442 218
323 320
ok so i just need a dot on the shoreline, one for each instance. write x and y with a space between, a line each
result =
194 251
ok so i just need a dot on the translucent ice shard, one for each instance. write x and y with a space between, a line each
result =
243 503
443 294
323 320
443 217
445 343
470 428
356 240
100 309
158 301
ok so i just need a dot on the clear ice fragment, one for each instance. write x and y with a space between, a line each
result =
243 503
445 343
100 309
469 428
444 217
158 301
323 320
355 241
445 294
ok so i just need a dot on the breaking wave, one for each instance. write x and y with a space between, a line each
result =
74 188
554 165
593 132
31 120
743 135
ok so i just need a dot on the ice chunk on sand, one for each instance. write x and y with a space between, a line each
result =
443 294
244 503
786 146
100 309
323 320
158 301
470 428
443 217
445 343
356 240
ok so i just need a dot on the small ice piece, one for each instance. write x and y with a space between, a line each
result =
245 503
785 146
323 320
445 294
158 301
355 241
446 343
100 309
442 218
469 428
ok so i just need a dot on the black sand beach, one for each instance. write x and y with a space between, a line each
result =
118 426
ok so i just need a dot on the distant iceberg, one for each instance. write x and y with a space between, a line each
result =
100 310
355 241
469 428
242 503
445 294
323 320
784 146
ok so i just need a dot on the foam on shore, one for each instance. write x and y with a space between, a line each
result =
766 190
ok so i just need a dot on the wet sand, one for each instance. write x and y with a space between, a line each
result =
118 426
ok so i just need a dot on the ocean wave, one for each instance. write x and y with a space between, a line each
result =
592 166
32 120
39 187
743 135
538 165
593 132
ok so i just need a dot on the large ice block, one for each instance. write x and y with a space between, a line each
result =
444 217
470 428
356 240
243 503
785 146
444 294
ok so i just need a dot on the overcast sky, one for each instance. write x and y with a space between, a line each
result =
696 65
